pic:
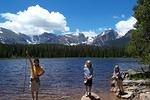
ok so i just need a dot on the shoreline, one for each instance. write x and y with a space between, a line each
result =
137 92
49 96
135 86
136 59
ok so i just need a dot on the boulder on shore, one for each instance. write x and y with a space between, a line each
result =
92 97
145 96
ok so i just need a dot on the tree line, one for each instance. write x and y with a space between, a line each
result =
57 50
139 45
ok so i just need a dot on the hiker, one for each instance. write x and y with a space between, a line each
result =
36 72
88 76
117 77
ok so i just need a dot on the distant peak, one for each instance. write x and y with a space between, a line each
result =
107 32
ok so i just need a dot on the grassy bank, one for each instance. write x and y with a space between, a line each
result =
139 76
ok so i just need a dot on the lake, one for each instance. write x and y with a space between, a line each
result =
63 78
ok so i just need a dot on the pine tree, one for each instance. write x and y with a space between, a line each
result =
140 43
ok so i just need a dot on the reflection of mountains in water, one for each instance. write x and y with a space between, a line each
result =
108 37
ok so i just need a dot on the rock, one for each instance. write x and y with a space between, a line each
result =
146 90
128 82
135 82
145 96
133 88
65 97
127 95
92 97
147 82
131 72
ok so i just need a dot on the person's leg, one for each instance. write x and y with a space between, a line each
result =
36 95
121 87
86 92
118 85
90 87
32 90
32 95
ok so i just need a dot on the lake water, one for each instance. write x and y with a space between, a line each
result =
63 79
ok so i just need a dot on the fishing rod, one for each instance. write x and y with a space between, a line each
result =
25 75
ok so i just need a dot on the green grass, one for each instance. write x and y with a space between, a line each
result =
139 76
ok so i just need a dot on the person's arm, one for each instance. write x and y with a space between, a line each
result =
29 57
30 60
43 71
85 73
118 74
114 75
90 77
91 73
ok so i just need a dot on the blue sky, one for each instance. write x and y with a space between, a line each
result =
84 15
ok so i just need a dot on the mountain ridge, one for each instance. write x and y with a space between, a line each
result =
104 38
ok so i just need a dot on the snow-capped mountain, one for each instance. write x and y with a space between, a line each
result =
73 39
105 36
26 38
9 37
45 38
120 42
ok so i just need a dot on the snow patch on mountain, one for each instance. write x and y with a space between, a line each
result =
103 33
90 40
29 42
119 35
72 44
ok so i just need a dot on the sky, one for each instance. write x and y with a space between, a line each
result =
67 16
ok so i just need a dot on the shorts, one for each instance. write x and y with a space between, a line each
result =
88 83
35 85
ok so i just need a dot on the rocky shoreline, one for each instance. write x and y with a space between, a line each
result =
139 89
134 89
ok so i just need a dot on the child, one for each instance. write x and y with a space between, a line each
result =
36 72
119 79
88 76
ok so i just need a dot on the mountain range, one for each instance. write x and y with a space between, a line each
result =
108 37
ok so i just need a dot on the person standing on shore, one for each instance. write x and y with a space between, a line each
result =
88 76
118 78
36 72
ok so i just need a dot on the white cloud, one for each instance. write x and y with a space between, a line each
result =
119 17
124 26
107 29
122 16
115 17
34 21
100 29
